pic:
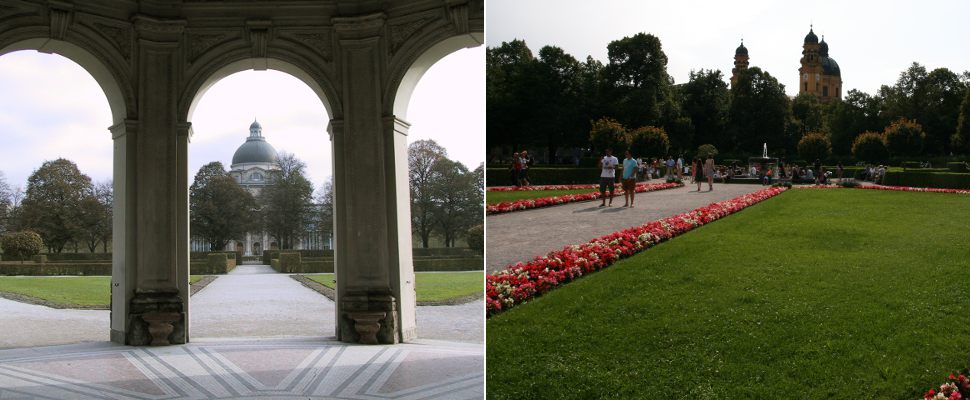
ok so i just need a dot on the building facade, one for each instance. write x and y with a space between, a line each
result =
819 73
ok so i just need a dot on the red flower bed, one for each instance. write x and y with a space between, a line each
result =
956 387
528 204
540 187
522 281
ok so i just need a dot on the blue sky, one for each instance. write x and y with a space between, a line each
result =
873 41
50 107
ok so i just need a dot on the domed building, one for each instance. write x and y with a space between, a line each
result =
252 164
740 63
819 74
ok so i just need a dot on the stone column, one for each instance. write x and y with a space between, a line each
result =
158 311
375 282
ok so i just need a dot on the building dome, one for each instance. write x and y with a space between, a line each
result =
741 51
823 48
810 38
256 149
830 67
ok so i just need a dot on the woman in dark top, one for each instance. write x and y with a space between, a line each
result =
697 170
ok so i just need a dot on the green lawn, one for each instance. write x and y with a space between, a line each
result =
498 197
85 291
813 294
432 286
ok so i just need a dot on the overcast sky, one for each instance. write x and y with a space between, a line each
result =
873 41
50 107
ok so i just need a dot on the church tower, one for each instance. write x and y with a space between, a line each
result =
819 74
740 63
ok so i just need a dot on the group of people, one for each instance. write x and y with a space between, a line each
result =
519 171
875 173
699 170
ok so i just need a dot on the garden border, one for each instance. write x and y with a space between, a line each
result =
530 204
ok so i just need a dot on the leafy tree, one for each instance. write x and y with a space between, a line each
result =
325 215
458 205
815 146
423 156
904 138
870 147
558 116
637 80
6 203
509 93
21 245
95 217
607 133
53 202
857 112
219 209
476 238
939 109
808 110
286 204
706 101
759 111
706 151
961 138
649 141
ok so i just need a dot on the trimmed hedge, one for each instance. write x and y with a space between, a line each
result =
55 257
269 255
449 264
31 269
443 252
290 262
546 176
942 180
956 167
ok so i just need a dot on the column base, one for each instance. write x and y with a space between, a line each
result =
361 310
156 318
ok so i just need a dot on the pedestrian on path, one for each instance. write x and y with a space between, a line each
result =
629 179
709 173
670 167
608 176
696 169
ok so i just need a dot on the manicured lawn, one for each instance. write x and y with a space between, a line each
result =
432 286
65 290
498 197
813 294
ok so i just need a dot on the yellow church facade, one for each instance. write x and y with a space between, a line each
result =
819 74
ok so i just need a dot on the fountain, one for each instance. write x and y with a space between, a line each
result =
757 166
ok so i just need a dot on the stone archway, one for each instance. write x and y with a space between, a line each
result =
359 56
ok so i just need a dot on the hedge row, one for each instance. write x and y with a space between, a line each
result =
31 269
546 176
269 255
55 257
942 180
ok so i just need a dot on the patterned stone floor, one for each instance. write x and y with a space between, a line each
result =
233 369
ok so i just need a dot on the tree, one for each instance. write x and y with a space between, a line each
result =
759 111
637 80
458 205
286 204
476 238
21 245
219 209
870 147
6 203
607 133
814 146
857 112
706 101
95 217
807 109
939 109
508 93
706 151
559 118
961 138
904 138
423 155
325 215
53 202
649 141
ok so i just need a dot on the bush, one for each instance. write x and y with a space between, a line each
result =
607 133
290 262
706 151
476 238
649 141
21 245
849 183
956 166
942 180
905 138
546 176
870 147
815 146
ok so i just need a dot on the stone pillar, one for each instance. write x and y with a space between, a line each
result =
375 282
157 190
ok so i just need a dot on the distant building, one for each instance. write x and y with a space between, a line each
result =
252 164
819 74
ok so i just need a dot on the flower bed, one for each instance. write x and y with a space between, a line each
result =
540 187
528 204
522 281
955 388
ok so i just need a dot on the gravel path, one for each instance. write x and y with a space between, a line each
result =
523 235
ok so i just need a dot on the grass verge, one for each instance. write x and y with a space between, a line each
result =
62 291
498 197
432 287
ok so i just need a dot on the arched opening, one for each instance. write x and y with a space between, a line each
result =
253 123
57 108
442 96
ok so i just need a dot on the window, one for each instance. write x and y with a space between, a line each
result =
825 91
256 176
806 86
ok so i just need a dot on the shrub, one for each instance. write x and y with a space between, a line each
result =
546 176
956 166
942 180
290 262
21 245
649 141
476 238
870 147
706 151
607 133
815 146
905 138
910 164
849 183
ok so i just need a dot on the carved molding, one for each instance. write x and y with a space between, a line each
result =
458 13
320 42
401 32
119 36
198 43
153 25
259 36
61 15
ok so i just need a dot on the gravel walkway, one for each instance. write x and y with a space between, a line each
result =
523 235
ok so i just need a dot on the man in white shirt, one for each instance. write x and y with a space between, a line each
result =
608 176
680 167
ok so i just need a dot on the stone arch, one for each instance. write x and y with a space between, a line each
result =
116 89
424 54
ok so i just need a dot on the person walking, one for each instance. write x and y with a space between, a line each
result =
680 167
629 179
696 169
709 173
526 163
516 169
608 176
840 170
670 167
818 167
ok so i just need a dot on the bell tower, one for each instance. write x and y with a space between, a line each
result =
810 73
740 63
